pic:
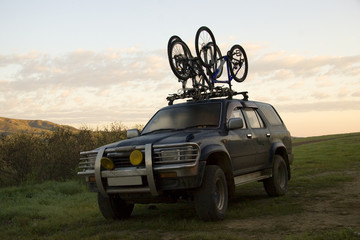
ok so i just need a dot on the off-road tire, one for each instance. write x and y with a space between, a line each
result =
114 208
211 199
179 56
204 38
278 183
238 63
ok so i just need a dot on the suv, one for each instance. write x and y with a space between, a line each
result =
197 150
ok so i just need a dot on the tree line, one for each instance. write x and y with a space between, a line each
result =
35 158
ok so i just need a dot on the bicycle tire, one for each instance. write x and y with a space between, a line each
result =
205 47
238 63
179 55
171 39
218 62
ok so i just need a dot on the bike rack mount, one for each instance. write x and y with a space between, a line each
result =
196 95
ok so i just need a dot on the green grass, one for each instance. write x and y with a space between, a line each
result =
344 234
66 210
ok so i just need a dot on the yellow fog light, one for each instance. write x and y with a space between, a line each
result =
107 163
136 157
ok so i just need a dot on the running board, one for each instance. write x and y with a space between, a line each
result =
252 177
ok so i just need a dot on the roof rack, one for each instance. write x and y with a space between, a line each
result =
197 94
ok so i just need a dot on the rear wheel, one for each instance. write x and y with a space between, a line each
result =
211 199
277 184
113 207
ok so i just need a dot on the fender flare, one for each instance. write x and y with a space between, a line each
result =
213 148
207 157
279 148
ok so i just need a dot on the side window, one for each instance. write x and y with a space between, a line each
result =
254 119
271 115
236 113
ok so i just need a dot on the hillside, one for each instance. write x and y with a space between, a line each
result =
10 126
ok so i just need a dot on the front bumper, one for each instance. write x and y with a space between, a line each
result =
165 167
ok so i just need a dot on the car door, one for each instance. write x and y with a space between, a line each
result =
240 145
260 134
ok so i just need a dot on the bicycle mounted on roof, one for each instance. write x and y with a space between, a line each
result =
206 68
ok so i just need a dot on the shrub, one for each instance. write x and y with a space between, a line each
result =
36 158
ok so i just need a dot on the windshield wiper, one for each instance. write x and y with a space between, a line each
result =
159 130
200 126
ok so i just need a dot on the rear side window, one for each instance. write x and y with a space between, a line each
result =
271 115
254 119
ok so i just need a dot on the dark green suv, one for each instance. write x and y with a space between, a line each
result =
197 150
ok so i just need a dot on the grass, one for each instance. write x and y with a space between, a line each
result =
66 210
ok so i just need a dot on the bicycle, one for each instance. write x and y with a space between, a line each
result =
203 69
185 66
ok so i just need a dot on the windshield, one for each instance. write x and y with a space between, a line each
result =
185 116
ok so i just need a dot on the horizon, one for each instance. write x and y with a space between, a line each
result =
93 63
125 127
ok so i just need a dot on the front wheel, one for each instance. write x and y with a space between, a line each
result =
179 56
205 47
238 63
114 208
277 184
211 199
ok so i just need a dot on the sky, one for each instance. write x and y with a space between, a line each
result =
92 63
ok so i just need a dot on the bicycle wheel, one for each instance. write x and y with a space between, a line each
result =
179 55
218 68
238 63
205 47
172 39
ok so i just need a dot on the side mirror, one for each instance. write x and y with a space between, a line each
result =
131 133
235 123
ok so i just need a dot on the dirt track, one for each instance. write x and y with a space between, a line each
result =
336 208
331 209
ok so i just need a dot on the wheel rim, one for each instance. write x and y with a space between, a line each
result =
179 59
220 194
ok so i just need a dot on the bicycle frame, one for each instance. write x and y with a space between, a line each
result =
196 67
224 59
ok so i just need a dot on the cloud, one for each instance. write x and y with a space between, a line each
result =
107 83
129 85
274 66
320 106
84 68
356 93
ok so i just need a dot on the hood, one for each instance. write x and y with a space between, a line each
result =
163 138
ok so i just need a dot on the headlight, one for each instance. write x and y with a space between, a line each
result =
136 157
170 155
107 163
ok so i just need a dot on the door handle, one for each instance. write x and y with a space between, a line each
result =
249 135
268 135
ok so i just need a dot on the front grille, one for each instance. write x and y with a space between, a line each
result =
168 154
87 161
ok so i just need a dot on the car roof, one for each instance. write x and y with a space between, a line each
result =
226 101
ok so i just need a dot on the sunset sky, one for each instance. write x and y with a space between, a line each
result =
92 63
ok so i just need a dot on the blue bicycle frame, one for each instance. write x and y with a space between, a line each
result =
223 60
